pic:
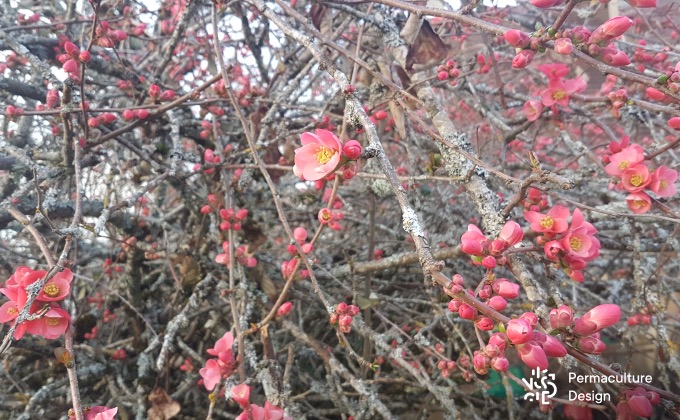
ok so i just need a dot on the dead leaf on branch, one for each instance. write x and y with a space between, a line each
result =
162 406
426 48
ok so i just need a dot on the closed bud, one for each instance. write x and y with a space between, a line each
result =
284 308
352 149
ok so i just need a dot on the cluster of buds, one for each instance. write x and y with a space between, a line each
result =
637 402
12 60
642 56
157 96
570 246
109 267
92 334
495 295
240 256
107 37
619 99
72 59
288 269
300 235
378 115
671 78
210 158
644 317
343 316
105 119
584 332
28 19
448 71
241 395
135 114
13 111
232 219
535 200
489 253
48 319
626 164
446 367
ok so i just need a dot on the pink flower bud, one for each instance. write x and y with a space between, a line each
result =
596 319
591 345
241 394
241 215
458 279
530 317
523 59
532 355
481 363
516 38
53 98
128 115
154 91
489 262
443 75
341 308
563 46
284 308
551 345
580 34
118 35
498 303
519 331
71 49
345 320
467 312
473 241
85 57
453 305
561 317
614 57
499 339
107 118
486 292
352 149
206 209
484 323
381 115
642 4
307 248
70 66
640 406
167 96
511 233
506 289
142 114
674 123
353 310
611 29
300 234
92 122
544 4
500 364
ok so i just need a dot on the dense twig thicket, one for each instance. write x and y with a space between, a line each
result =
170 249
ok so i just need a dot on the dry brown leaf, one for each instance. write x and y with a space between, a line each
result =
162 406
427 49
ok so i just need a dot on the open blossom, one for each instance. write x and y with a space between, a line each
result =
596 319
558 91
553 222
532 109
663 182
268 412
319 155
554 71
511 233
639 202
635 178
98 412
51 325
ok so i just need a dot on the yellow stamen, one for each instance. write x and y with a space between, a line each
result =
324 154
663 184
636 180
559 94
12 311
624 165
575 244
547 222
51 290
52 321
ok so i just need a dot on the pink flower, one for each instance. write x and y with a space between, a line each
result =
519 331
663 182
553 222
523 59
561 317
610 29
553 250
559 90
532 109
596 319
318 156
581 244
241 394
98 412
642 3
591 344
268 412
484 323
555 71
532 355
481 362
563 46
511 233
616 147
516 38
635 178
500 340
51 325
300 234
473 241
223 348
9 311
211 374
57 288
639 203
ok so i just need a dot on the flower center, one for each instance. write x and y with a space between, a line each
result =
51 290
547 222
663 184
638 204
575 244
624 165
52 322
324 154
12 311
636 180
559 94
